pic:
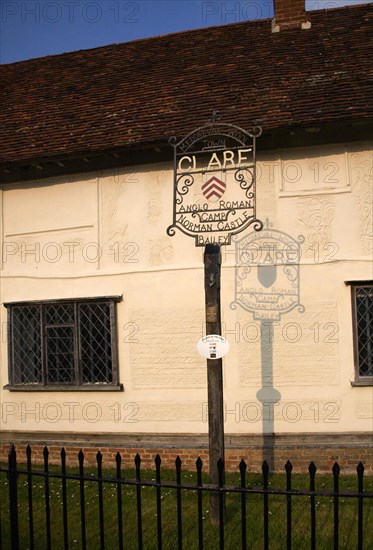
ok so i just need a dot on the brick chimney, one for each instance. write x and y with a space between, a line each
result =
290 14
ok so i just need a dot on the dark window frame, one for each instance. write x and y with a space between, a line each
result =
77 383
360 380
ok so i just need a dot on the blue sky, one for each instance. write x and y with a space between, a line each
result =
35 28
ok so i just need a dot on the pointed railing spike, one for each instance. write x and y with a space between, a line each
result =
137 460
81 457
312 469
242 466
265 467
360 469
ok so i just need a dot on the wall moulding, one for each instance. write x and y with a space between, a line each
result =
314 171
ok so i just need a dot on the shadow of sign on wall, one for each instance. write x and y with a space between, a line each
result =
267 284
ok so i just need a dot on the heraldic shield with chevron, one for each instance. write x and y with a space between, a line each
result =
213 189
215 183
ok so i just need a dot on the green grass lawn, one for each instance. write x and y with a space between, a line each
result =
232 532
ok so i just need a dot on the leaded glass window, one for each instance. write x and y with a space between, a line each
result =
362 296
63 343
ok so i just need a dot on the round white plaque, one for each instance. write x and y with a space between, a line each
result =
213 346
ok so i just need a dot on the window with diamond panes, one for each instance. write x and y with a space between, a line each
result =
56 344
363 320
95 338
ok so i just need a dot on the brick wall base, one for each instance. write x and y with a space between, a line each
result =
324 450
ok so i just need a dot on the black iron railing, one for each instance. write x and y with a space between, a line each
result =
37 488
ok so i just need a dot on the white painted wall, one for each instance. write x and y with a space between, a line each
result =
51 234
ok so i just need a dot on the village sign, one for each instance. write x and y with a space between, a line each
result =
214 183
214 199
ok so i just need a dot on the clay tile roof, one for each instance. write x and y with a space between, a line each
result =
142 92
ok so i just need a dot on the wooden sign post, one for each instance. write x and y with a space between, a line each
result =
212 261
